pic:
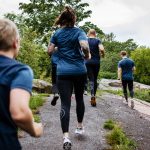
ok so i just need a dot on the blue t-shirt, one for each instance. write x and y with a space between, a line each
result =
94 50
71 58
55 58
12 75
126 65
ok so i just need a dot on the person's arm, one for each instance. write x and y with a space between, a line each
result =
21 113
119 73
51 49
101 50
21 87
85 48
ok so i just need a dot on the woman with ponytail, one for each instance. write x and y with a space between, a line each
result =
72 48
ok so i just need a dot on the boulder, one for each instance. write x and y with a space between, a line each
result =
41 86
109 84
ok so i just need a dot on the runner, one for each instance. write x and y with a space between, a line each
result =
71 70
93 65
54 60
125 74
15 90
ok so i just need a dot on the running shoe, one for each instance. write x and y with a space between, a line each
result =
79 131
54 100
93 101
67 144
85 92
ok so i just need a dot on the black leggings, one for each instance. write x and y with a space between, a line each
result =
54 78
65 85
92 73
128 83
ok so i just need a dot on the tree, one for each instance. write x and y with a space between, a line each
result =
90 25
41 14
141 56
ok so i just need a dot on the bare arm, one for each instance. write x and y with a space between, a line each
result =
133 69
51 49
101 50
85 48
21 113
119 73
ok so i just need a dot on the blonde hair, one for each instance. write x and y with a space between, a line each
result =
92 32
8 34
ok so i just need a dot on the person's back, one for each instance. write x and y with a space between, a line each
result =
10 73
70 56
15 90
127 65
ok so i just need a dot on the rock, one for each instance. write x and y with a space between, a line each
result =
41 86
109 84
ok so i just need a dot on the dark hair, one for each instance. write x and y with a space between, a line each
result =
123 53
67 17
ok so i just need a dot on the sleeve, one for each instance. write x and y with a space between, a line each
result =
53 39
23 80
119 64
82 36
99 42
133 64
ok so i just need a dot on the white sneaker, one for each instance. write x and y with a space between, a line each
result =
79 131
67 144
85 92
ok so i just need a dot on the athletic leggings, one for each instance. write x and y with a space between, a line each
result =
54 78
92 73
66 84
128 83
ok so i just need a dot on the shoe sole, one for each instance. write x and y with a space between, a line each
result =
53 102
67 146
93 102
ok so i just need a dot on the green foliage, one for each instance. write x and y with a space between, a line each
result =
110 62
37 118
117 138
33 54
109 124
41 14
107 75
89 25
141 56
36 101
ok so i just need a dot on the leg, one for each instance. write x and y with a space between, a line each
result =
124 85
130 87
65 87
79 90
96 71
54 86
91 77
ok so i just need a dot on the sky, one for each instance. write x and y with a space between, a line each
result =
125 18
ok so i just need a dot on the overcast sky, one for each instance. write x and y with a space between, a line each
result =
125 18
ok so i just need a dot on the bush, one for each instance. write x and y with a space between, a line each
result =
107 75
141 56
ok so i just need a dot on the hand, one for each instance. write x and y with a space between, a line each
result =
89 57
38 129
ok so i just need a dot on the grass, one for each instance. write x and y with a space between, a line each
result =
37 101
139 94
117 138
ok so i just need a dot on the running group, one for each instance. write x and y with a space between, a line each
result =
75 58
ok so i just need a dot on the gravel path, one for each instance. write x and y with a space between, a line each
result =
135 124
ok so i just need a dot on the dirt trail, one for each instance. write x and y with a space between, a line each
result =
135 124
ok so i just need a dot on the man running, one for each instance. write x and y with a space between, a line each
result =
15 90
125 74
93 64
71 70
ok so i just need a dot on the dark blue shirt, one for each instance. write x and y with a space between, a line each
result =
94 50
126 65
12 75
71 59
